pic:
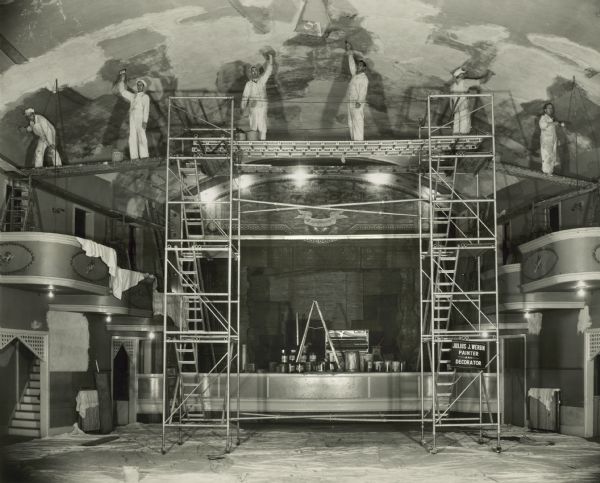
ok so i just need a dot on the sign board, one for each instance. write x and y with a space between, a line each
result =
468 355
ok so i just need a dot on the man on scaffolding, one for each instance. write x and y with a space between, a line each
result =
46 134
462 106
357 95
254 98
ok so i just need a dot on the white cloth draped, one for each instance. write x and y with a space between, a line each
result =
121 279
544 395
124 280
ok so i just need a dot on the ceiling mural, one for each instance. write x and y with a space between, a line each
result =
529 52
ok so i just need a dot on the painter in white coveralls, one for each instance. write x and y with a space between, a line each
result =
357 95
548 139
254 98
462 106
139 110
46 134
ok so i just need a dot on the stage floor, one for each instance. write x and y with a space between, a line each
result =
299 453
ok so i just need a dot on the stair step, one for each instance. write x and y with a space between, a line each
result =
34 376
32 392
28 407
30 399
32 433
28 415
34 384
24 423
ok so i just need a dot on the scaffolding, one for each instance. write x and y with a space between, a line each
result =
202 239
457 233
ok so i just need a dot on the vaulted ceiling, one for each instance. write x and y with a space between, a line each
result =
535 51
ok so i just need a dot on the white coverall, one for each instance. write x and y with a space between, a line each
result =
357 93
548 144
139 109
46 134
461 106
255 97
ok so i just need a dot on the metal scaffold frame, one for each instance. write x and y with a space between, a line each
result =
201 236
456 232
198 233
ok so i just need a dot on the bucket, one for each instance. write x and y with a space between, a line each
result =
352 361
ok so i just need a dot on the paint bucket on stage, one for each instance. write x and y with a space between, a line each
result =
351 359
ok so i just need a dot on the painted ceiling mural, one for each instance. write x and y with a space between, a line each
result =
531 51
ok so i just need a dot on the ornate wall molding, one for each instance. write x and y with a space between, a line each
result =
35 341
593 348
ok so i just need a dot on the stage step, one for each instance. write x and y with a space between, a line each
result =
23 423
31 433
27 415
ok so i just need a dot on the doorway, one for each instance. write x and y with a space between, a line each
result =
515 381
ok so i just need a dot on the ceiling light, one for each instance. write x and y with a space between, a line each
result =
581 292
151 335
51 294
300 176
527 315
485 335
378 178
581 284
209 194
108 318
244 181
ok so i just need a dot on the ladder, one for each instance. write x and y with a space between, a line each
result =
454 229
202 235
19 209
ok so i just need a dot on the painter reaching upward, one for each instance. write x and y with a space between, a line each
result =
254 98
357 95
139 110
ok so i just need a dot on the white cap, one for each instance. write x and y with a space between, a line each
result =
29 111
143 82
459 71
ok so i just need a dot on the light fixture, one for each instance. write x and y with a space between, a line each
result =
209 194
50 294
378 178
151 335
527 315
244 181
485 335
300 176
108 318
581 284
581 292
